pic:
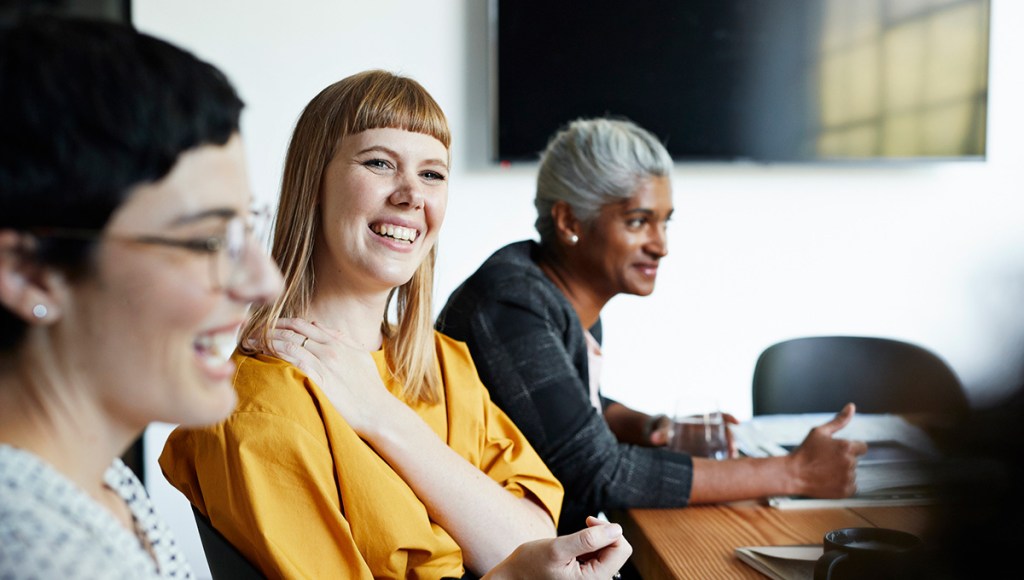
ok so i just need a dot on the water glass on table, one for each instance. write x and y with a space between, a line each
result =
702 435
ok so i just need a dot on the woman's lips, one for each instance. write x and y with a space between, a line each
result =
648 269
213 351
395 232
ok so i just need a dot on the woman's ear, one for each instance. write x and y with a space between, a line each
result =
26 288
567 227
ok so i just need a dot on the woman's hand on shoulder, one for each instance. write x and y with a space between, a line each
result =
596 553
347 375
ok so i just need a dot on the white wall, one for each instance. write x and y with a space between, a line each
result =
931 253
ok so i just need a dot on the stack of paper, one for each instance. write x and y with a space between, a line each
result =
782 562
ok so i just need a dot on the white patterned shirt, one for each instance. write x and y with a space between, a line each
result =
51 528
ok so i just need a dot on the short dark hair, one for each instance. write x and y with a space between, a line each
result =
88 111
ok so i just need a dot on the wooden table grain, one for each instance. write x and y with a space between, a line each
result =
698 541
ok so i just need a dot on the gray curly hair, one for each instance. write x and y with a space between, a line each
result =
591 163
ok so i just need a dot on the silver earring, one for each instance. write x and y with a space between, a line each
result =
39 311
573 238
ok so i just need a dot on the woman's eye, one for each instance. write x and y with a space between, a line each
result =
433 176
208 244
636 222
376 164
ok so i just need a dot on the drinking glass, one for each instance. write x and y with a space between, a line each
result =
700 435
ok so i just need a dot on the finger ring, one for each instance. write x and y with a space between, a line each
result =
303 344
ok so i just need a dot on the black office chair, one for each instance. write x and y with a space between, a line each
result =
822 373
226 562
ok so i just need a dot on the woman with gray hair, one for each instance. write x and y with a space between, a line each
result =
531 317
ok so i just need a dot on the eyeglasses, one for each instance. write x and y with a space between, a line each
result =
228 252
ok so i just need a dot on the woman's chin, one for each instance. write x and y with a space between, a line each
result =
211 393
641 289
213 405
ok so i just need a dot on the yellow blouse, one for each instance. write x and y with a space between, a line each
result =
287 480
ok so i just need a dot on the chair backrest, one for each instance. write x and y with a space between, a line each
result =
226 562
880 375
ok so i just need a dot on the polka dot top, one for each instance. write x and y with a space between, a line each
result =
51 528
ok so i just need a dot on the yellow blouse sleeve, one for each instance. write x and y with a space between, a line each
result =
482 433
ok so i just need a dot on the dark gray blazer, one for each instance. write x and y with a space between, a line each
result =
529 348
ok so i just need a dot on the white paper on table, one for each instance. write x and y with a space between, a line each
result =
807 553
781 562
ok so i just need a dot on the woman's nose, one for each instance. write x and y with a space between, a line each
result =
407 192
658 244
261 280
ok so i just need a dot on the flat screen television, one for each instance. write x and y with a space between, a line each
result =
747 80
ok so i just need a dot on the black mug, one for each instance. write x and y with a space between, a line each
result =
875 553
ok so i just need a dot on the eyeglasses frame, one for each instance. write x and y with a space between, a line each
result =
210 245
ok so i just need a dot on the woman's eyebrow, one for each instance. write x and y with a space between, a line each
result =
640 210
393 153
379 148
646 211
224 213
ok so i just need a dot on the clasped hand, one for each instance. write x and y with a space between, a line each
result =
595 553
346 374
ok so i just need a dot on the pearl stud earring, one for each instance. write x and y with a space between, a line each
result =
39 311
573 238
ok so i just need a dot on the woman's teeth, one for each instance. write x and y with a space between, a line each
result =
217 346
396 232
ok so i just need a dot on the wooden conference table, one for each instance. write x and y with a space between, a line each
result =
698 541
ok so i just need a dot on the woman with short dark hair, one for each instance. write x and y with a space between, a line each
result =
126 269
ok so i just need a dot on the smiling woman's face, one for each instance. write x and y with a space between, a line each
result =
620 251
383 199
150 327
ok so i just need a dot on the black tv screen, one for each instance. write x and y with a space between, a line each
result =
757 80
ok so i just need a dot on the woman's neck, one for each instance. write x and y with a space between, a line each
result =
62 423
357 317
585 300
